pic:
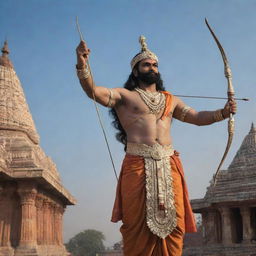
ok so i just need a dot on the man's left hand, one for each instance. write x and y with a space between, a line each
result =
230 107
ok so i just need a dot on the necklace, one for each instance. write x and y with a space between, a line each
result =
154 100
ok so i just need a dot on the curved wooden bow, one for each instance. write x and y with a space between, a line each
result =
230 94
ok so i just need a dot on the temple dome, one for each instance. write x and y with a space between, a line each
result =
14 110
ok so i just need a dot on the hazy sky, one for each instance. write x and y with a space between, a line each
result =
42 38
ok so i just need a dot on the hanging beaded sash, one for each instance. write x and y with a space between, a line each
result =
160 208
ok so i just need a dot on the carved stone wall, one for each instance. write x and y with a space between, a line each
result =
14 111
30 220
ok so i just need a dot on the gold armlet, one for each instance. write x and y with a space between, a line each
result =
110 99
184 112
83 73
218 115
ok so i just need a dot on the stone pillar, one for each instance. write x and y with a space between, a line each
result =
226 225
16 221
56 224
59 224
62 210
28 237
39 219
208 219
46 206
247 229
218 225
7 210
1 214
51 223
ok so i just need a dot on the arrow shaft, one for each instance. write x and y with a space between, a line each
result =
209 97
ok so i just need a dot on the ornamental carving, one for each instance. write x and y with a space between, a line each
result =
5 157
14 111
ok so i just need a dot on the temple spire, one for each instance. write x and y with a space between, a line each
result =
5 49
4 59
245 156
14 110
253 129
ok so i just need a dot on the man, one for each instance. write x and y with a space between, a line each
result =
152 198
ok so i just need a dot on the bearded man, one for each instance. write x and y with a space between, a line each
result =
152 198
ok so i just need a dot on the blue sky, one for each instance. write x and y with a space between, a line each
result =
42 38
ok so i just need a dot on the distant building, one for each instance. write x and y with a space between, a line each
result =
32 198
229 209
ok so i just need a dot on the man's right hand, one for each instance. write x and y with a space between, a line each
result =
82 53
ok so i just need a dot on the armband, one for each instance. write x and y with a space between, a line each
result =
110 99
184 112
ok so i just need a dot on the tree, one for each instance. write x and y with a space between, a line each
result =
86 243
118 245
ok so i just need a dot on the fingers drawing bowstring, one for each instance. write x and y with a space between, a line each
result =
95 103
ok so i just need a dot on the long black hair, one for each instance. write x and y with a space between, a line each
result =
131 83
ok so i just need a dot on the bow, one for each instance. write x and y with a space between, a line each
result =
230 94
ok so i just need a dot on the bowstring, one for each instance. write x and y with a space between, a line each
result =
96 104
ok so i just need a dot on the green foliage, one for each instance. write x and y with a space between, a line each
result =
86 243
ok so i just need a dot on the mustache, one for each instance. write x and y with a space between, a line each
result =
151 72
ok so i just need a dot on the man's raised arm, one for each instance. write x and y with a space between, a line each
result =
186 114
104 96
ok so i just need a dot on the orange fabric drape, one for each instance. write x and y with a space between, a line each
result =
168 104
131 209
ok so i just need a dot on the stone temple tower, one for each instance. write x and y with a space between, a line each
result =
32 198
229 208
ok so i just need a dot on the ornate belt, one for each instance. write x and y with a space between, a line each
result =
160 205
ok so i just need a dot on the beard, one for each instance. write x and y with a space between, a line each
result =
149 77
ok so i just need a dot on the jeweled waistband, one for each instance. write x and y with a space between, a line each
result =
157 151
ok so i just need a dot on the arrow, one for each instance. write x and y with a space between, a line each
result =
209 97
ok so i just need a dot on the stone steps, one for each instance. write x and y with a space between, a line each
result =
218 250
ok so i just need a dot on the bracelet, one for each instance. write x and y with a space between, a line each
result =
83 73
218 115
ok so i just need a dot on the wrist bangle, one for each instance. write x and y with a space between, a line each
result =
83 73
77 67
222 110
218 115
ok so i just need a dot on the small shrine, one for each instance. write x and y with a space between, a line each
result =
228 209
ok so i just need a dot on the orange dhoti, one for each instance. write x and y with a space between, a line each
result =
130 207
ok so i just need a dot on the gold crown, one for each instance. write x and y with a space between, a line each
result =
144 54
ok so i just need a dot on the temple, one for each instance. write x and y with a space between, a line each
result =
228 209
32 198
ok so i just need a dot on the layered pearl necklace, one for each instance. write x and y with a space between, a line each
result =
154 100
